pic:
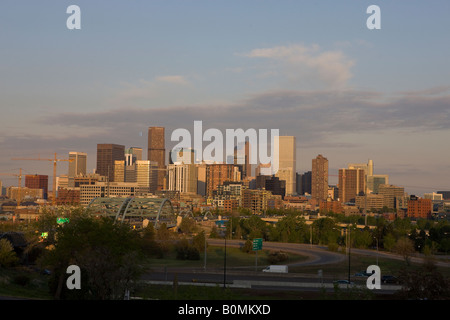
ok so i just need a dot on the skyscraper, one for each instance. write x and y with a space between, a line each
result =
287 162
107 154
77 167
319 178
351 184
157 152
147 174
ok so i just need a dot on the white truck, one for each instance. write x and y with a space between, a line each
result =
276 268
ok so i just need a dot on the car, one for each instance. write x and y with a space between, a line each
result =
390 279
362 274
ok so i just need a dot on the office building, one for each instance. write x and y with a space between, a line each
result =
77 167
242 159
374 182
37 181
132 155
445 194
393 195
419 208
147 174
433 196
319 178
217 174
272 184
351 184
182 177
370 202
304 183
286 153
157 152
368 171
110 189
107 154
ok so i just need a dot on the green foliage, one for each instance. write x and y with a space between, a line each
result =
362 238
108 255
199 241
291 228
404 247
186 251
275 257
248 246
325 231
8 256
426 283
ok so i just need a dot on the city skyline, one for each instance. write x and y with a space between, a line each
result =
314 72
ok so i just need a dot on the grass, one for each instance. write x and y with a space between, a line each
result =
215 259
23 283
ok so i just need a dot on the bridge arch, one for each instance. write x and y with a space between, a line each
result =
135 210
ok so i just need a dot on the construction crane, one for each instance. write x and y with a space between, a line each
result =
20 183
55 160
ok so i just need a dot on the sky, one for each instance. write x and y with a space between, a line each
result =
311 69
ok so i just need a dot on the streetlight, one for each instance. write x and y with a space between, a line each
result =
349 246
377 247
225 263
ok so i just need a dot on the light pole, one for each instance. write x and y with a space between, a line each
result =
349 246
225 263
377 248
204 267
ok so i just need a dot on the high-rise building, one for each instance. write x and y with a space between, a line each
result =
157 152
392 195
217 174
351 184
304 183
287 162
374 182
368 170
37 181
119 171
319 178
182 177
272 184
107 154
242 159
77 167
147 174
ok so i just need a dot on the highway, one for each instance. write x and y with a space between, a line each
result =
248 277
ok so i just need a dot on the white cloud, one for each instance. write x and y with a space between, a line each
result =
310 64
175 79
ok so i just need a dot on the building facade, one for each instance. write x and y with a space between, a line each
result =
351 184
157 152
107 154
319 178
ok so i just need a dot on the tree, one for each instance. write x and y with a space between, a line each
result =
404 247
7 255
107 253
325 230
362 238
425 283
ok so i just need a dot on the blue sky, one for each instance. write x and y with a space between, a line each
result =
310 68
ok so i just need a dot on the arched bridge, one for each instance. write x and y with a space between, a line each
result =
136 210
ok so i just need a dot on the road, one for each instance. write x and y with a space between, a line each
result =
249 278
316 255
